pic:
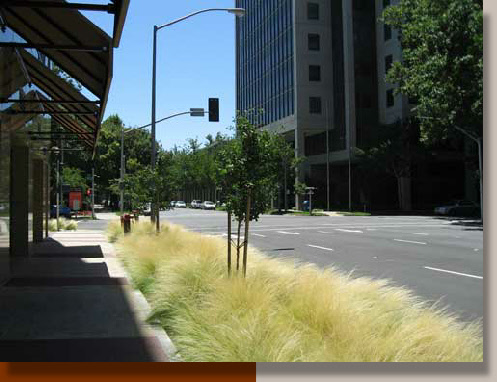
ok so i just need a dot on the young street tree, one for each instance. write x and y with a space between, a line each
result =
248 167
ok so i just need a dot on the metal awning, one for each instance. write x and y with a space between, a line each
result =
73 42
57 29
64 99
13 121
12 77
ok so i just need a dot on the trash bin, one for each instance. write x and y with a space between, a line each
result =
126 223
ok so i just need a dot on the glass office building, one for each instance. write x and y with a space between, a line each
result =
265 60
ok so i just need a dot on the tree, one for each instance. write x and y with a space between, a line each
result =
442 65
248 174
394 152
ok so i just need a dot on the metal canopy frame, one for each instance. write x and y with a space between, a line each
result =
57 29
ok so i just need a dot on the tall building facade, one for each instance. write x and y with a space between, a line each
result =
314 71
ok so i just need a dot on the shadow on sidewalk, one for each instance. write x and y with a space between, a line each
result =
62 304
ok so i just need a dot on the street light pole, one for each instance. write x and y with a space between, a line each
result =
154 69
238 12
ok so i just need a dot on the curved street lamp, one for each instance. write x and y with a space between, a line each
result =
238 12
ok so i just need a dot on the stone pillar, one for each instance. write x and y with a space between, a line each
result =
38 191
19 201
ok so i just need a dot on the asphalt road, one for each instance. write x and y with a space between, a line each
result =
440 259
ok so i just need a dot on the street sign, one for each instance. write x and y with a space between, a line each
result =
197 112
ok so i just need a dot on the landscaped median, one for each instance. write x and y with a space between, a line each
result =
282 311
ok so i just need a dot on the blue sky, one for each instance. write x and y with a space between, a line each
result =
195 61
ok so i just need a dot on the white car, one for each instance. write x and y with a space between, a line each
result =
147 211
195 203
208 205
180 204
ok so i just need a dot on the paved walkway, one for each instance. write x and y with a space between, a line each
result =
72 301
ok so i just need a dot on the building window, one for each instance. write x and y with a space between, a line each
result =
315 105
314 41
312 11
387 32
314 73
388 63
390 98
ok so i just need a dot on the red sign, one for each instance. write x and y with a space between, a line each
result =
75 200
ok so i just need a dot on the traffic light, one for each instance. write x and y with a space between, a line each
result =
213 109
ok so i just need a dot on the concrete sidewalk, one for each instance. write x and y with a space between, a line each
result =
72 301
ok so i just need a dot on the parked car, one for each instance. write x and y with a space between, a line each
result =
172 203
180 204
195 203
462 208
63 211
207 205
147 211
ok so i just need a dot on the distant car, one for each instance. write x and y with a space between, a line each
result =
63 211
180 204
207 205
147 211
462 208
195 203
172 204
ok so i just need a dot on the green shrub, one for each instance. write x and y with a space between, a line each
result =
64 225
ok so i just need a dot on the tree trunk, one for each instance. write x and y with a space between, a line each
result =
245 243
399 191
238 246
229 243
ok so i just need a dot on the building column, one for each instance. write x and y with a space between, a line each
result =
19 203
38 191
299 171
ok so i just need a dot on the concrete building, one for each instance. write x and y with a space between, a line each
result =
33 35
317 70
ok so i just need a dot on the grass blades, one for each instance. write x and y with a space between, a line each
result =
64 225
283 311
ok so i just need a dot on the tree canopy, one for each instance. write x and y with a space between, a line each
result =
442 64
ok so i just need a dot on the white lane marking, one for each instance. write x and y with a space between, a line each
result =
256 234
421 233
324 232
409 241
318 247
371 229
476 249
324 226
288 233
348 230
455 273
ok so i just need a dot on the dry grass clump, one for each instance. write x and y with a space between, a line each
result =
282 311
64 224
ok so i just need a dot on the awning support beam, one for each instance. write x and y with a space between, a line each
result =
58 102
109 8
77 48
54 112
